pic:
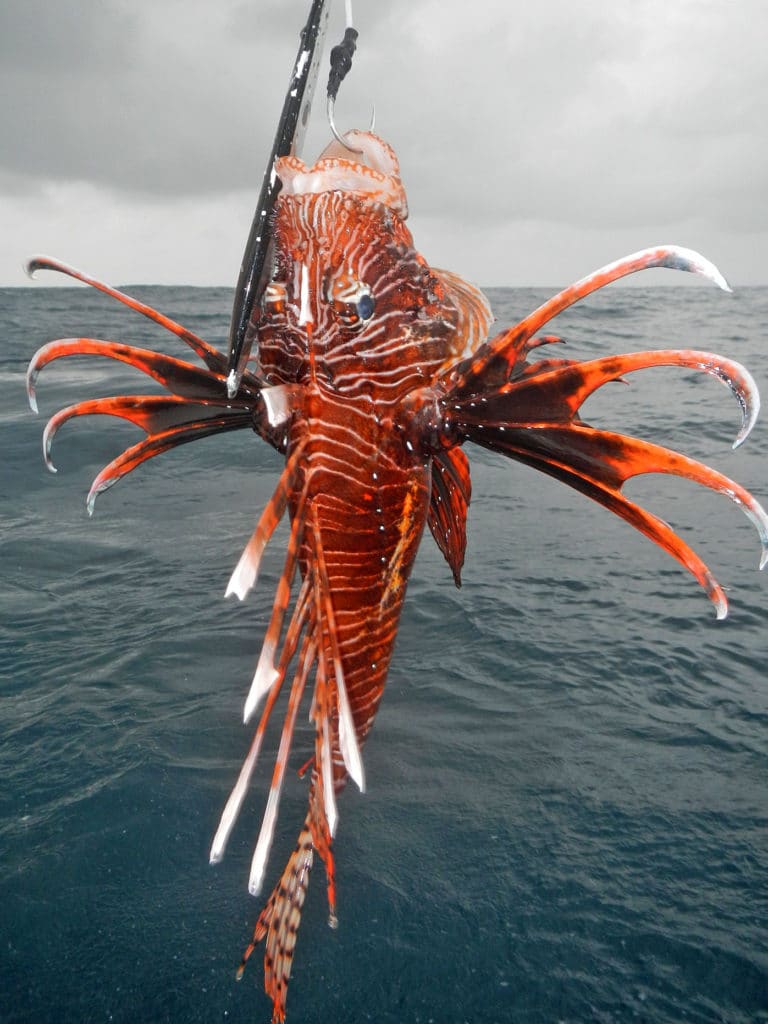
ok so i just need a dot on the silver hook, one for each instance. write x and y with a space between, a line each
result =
337 134
335 131
341 62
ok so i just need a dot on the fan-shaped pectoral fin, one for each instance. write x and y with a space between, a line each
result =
213 359
156 415
176 375
535 419
153 445
501 356
197 406
598 463
554 392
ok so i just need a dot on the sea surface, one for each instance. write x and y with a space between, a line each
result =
566 817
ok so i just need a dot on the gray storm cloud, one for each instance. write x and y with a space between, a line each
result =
134 136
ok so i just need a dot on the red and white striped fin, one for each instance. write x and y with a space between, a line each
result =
180 377
280 919
246 571
535 419
302 610
448 506
348 745
213 359
313 616
320 715
502 354
264 843
266 671
313 629
323 814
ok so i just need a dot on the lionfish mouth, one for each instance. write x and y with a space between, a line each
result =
373 171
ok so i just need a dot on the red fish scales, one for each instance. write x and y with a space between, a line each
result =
369 491
370 505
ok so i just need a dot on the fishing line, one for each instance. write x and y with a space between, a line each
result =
341 63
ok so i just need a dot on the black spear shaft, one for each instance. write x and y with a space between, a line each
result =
290 131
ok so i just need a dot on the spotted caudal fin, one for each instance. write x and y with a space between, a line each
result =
530 412
196 406
279 921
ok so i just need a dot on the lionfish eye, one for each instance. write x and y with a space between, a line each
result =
274 298
352 300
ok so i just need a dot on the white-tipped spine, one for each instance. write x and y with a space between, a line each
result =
350 750
264 679
246 572
758 517
326 775
700 265
264 844
234 803
749 396
47 440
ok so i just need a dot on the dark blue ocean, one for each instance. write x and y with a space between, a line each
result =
567 808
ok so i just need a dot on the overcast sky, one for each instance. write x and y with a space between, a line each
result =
537 140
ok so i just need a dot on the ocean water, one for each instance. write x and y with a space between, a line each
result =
567 806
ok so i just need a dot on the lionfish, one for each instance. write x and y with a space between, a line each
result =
370 371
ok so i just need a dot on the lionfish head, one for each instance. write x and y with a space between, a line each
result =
369 168
348 294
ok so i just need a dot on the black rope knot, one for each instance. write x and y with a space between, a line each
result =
341 61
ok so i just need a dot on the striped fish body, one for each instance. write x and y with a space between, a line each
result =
369 499
346 375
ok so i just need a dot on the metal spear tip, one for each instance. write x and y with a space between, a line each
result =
233 382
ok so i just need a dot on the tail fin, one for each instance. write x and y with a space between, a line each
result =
530 412
279 921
